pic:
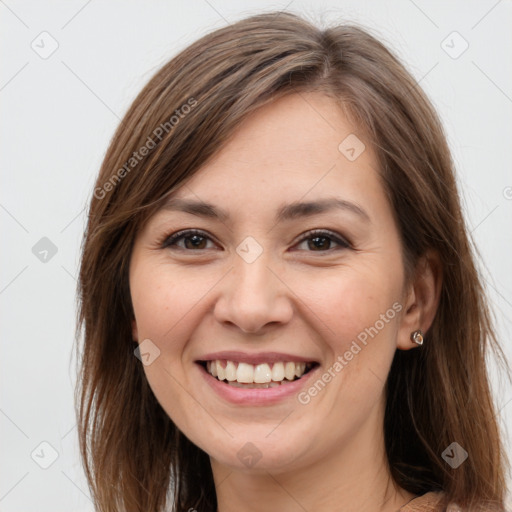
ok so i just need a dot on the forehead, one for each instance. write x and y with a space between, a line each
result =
297 147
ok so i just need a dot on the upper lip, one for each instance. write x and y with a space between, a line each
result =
255 358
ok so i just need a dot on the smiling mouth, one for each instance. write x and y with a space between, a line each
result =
264 375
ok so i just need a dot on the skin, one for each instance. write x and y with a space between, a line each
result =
295 298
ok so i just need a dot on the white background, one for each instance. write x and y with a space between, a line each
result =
59 113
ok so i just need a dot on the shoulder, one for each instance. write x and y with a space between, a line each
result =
429 502
436 502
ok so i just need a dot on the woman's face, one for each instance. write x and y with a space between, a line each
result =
253 290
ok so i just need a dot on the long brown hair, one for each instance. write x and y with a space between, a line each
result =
135 458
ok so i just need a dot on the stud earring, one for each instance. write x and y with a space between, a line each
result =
417 337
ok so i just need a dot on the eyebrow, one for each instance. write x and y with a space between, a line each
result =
286 212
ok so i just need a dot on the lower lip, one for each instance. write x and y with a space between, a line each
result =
256 396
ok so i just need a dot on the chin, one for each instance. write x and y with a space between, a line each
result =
255 453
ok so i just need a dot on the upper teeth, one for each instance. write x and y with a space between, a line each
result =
259 373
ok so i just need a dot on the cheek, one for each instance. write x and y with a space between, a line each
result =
163 301
348 302
153 308
357 313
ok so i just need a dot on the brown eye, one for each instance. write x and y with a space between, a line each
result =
322 241
192 240
319 242
195 242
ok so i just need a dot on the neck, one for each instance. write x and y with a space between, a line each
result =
353 478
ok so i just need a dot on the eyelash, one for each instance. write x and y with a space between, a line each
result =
171 240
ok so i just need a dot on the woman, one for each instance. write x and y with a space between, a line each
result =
280 304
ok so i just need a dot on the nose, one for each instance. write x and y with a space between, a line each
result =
253 297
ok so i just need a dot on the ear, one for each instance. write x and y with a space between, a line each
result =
421 299
135 332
